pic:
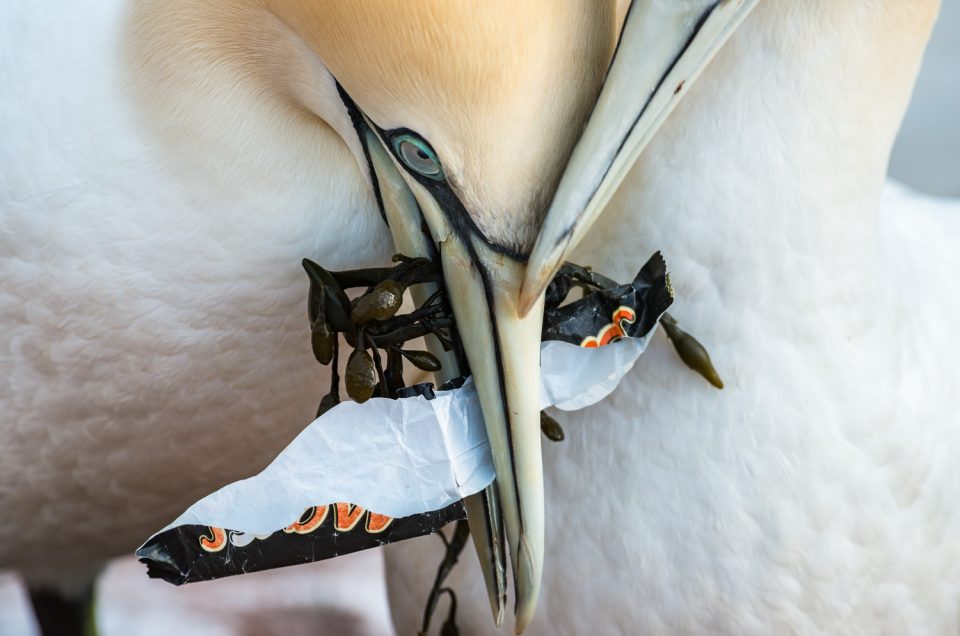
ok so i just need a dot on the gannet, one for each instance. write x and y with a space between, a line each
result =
163 154
171 162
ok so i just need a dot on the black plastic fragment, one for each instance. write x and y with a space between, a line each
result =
455 383
644 301
424 388
177 555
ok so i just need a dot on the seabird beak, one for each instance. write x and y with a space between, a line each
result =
405 219
662 50
503 351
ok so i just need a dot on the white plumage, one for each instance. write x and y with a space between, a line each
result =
154 343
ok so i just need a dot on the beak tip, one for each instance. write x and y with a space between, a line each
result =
522 621
525 304
545 260
530 293
528 575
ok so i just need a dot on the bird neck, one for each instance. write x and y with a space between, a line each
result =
765 183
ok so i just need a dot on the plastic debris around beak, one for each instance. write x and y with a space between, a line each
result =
400 457
363 475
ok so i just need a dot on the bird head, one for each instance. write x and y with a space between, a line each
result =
505 128
483 101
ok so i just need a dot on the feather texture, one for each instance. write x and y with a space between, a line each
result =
155 341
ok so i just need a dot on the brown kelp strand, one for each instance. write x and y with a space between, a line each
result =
691 352
550 427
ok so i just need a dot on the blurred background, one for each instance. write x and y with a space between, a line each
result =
927 153
347 596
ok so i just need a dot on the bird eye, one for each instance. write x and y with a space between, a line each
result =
418 156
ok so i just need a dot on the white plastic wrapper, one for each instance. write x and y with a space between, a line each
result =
401 457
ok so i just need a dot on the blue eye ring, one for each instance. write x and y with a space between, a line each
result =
417 155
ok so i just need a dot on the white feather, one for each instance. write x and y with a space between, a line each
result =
155 341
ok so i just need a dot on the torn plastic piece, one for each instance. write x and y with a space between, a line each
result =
410 459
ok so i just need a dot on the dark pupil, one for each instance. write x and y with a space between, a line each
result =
422 154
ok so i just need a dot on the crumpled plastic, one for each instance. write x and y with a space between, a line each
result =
401 457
